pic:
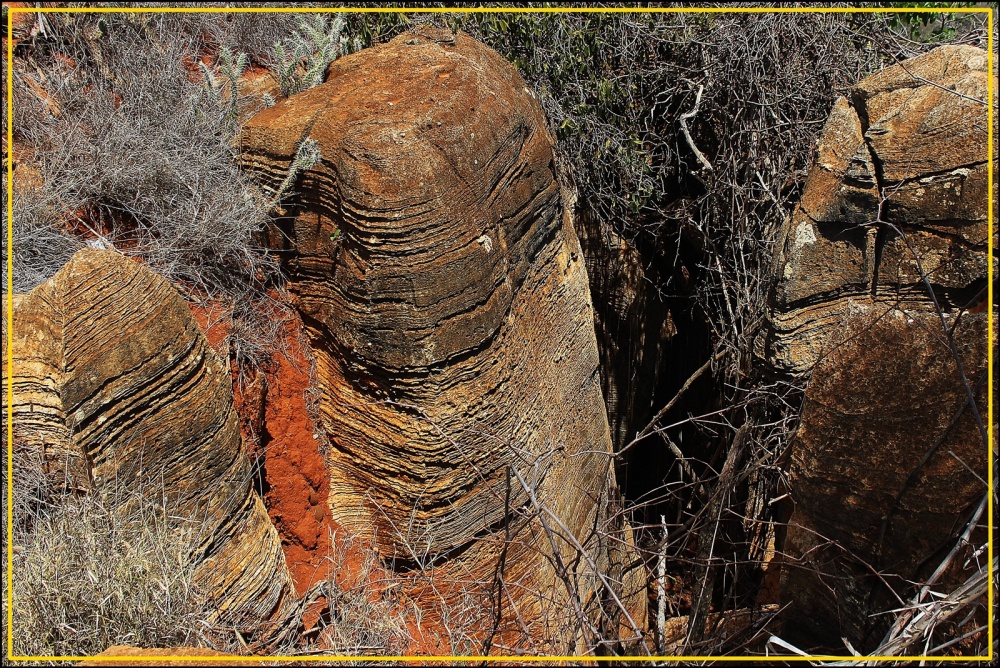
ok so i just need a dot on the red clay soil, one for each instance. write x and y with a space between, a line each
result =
23 23
297 480
278 431
214 320
275 423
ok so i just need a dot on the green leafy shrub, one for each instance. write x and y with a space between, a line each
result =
930 27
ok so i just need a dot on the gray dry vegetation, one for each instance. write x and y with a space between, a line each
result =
678 130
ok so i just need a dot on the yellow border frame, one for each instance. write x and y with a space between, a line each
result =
9 350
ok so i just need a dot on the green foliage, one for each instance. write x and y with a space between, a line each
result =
222 82
928 27
301 60
371 29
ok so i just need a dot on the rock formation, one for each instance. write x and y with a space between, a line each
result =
891 226
634 328
116 386
434 261
877 472
906 154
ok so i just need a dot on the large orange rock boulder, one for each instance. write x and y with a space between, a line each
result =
879 288
114 385
898 183
434 261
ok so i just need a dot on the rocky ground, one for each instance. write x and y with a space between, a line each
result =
467 418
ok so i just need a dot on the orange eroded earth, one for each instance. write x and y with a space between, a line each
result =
275 423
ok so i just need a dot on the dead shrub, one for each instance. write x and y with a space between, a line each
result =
101 570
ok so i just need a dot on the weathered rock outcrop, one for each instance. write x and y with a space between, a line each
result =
906 154
116 386
634 328
436 266
879 473
141 656
888 460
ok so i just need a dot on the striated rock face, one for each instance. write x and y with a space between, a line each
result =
436 266
634 328
902 156
115 385
886 458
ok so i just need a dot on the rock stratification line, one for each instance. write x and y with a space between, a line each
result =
907 152
434 260
117 388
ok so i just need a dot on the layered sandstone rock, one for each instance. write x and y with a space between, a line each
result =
888 459
634 328
906 154
116 386
125 655
436 266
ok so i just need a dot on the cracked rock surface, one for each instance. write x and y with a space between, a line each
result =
880 279
898 185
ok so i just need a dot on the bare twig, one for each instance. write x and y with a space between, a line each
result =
706 165
650 428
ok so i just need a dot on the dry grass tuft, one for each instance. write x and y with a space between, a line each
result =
358 613
101 570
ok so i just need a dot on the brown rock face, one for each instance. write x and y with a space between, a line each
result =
436 266
898 184
875 470
634 328
115 384
886 458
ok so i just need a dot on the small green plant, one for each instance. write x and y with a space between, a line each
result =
307 156
928 27
221 82
301 60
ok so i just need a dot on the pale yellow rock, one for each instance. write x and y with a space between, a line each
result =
116 386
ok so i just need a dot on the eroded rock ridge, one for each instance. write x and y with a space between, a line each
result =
434 260
880 290
117 388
